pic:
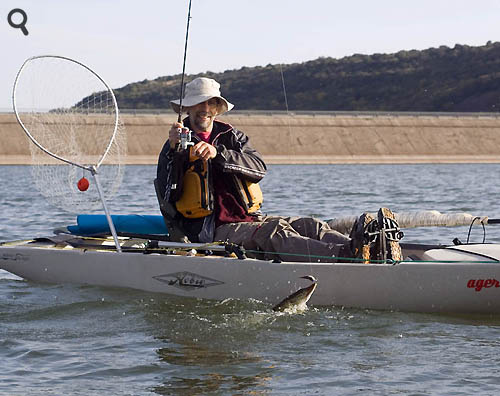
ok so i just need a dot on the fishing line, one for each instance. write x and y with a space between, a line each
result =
284 89
291 145
307 240
286 106
179 118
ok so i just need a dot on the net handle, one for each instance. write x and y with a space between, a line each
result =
91 169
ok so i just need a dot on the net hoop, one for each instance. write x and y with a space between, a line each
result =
93 168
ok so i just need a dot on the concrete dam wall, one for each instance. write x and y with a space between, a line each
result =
314 139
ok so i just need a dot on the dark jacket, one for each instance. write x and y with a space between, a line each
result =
235 156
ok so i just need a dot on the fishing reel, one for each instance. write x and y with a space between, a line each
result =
184 138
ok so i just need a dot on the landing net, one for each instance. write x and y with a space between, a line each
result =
71 114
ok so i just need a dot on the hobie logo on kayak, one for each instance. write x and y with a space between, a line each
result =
187 280
14 257
478 284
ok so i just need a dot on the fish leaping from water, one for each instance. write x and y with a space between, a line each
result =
297 301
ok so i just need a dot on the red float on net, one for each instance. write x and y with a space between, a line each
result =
83 184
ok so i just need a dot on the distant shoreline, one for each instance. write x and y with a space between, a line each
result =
305 160
315 138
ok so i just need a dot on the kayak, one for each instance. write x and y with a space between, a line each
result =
428 278
463 278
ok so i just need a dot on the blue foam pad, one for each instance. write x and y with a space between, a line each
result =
133 224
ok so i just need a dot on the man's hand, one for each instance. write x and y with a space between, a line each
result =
173 134
204 150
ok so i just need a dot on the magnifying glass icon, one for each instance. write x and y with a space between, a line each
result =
21 25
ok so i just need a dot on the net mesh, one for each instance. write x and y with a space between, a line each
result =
71 113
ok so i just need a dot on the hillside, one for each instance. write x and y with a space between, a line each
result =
462 78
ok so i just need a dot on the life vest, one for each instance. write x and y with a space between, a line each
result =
197 198
250 195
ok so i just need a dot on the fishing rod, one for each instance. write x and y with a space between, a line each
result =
184 133
184 63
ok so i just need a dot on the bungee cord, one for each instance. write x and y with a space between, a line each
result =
472 224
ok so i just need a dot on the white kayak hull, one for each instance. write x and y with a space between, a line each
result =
470 285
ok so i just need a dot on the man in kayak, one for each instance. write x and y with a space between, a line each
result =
207 189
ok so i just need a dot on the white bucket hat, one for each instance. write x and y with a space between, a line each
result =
199 90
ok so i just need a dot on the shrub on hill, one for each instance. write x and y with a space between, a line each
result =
462 78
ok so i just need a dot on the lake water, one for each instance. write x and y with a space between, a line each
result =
83 340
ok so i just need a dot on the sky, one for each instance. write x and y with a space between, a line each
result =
126 41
